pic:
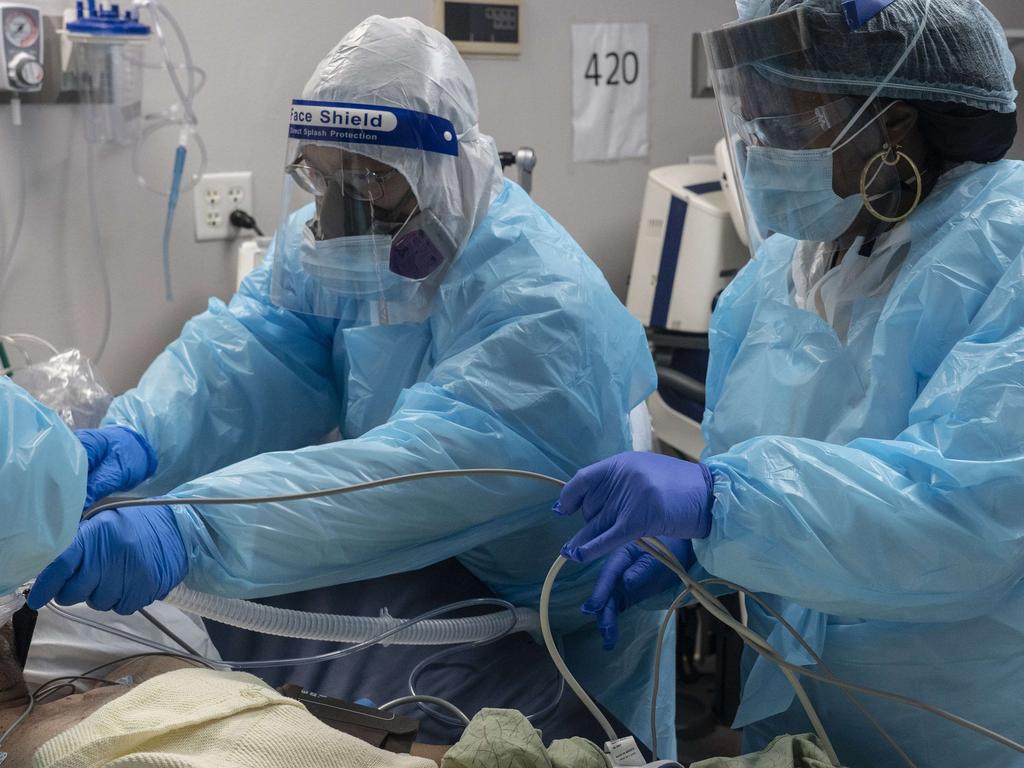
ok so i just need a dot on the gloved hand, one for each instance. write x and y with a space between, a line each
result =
119 459
120 560
636 494
629 577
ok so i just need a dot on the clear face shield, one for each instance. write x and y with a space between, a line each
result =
353 240
811 164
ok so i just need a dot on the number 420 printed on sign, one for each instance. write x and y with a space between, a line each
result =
610 91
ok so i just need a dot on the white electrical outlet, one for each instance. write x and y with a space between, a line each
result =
215 197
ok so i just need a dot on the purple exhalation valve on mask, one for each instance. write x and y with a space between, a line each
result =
421 248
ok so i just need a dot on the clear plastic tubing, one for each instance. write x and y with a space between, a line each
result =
303 625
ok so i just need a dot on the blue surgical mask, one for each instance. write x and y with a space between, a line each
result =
789 191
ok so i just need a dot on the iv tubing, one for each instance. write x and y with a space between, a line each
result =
9 249
172 203
98 254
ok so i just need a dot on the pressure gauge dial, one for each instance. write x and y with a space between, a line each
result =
21 29
25 71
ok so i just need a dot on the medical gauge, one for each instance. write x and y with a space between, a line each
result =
21 47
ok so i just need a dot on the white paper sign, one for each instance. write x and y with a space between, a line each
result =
610 91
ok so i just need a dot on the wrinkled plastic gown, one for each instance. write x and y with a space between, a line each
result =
42 488
70 385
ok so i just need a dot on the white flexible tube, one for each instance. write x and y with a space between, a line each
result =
269 620
556 657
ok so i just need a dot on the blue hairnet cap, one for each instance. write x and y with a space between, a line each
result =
961 57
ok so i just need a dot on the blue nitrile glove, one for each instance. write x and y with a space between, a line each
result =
629 577
633 495
121 560
119 459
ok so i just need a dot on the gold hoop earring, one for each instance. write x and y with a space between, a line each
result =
891 157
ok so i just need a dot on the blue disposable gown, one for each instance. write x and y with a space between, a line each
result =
528 361
876 485
42 486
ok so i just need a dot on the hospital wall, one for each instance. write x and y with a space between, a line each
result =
258 55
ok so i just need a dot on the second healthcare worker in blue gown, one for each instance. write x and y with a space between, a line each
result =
429 311
864 459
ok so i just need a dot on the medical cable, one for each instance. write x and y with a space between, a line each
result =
665 556
269 620
670 614
134 656
167 631
762 647
48 688
98 254
414 675
21 719
8 249
17 341
817 660
720 612
26 359
334 491
556 657
653 547
433 659
29 337
417 699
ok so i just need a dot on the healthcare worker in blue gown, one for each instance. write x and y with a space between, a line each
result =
425 309
864 461
43 477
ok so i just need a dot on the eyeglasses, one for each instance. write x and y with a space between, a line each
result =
362 184
795 131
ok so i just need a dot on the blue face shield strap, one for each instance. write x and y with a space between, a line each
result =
860 12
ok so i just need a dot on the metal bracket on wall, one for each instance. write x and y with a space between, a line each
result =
53 90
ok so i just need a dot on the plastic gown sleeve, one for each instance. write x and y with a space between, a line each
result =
925 527
216 395
42 474
510 386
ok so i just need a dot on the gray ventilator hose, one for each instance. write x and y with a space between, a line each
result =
304 625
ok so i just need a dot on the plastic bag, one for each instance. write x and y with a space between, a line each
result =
69 385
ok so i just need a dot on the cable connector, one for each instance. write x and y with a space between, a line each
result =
243 220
